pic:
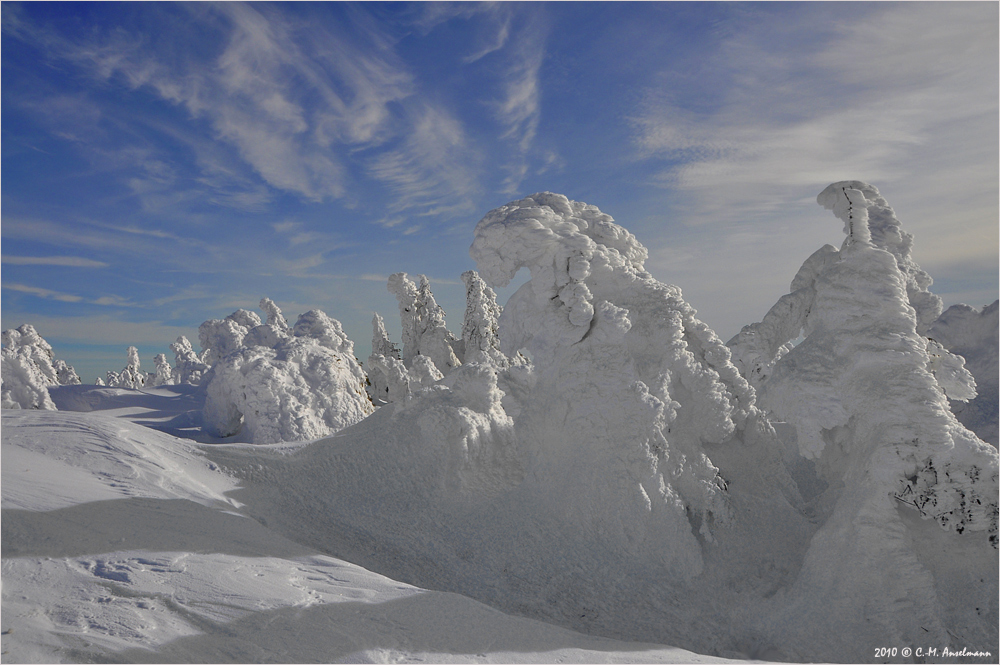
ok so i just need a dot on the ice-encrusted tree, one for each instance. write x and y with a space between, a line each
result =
972 334
386 373
220 337
188 366
626 384
866 393
163 375
282 384
423 323
481 325
29 367
131 375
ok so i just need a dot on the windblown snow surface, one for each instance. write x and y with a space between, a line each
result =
587 477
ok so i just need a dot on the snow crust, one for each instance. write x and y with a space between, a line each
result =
279 383
29 367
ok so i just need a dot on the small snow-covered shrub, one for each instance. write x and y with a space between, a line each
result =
29 368
282 384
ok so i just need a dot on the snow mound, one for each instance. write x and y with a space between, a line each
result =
281 383
108 459
972 334
29 367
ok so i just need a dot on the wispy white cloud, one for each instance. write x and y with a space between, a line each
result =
432 168
519 112
48 294
42 293
65 261
902 96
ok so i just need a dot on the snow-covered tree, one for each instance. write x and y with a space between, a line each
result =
131 375
280 383
866 393
65 373
481 326
972 334
381 365
625 384
423 324
164 373
188 366
28 370
219 338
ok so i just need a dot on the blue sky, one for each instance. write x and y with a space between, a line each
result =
164 164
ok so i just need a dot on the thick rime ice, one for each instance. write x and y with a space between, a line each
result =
885 232
972 335
281 383
423 322
188 366
219 338
382 349
866 393
29 368
164 374
481 325
626 384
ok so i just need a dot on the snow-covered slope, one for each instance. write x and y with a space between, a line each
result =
119 546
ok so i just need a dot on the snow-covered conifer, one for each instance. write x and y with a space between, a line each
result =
379 363
131 376
188 366
866 407
274 317
972 334
635 382
481 326
164 373
27 370
423 323
219 338
281 383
